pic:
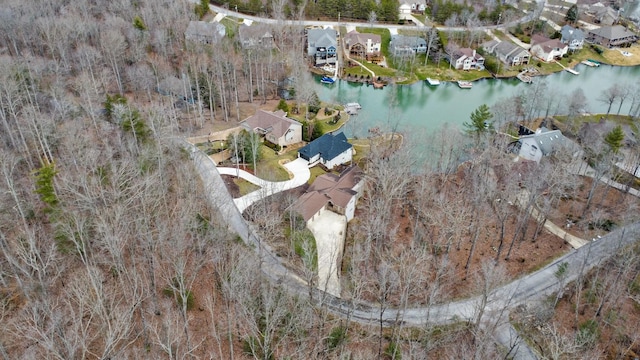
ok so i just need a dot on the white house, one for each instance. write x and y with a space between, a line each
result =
329 150
547 49
574 38
542 143
407 7
466 59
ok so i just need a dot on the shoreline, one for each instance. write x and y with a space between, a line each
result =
608 57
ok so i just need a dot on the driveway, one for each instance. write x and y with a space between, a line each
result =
329 229
298 168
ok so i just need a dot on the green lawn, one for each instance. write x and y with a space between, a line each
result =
245 187
378 70
269 167
315 172
384 35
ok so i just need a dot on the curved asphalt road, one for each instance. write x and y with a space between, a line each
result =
529 288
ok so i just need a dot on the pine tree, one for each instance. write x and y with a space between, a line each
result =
479 121
614 139
572 14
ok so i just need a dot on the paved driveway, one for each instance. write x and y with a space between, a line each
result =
299 168
329 229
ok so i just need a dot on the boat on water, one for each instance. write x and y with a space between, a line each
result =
591 63
327 80
354 105
465 84
433 82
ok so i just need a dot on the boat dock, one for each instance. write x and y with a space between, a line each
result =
522 76
568 69
433 82
352 108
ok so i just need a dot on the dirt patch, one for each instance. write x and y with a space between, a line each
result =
609 208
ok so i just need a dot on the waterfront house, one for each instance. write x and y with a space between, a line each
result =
275 126
547 49
541 143
574 38
508 52
322 46
204 32
363 45
466 59
256 36
337 193
610 36
329 150
401 45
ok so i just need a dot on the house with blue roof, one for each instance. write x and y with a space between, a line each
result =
329 150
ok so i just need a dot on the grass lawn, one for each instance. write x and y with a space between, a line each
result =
269 167
356 71
245 187
231 26
378 70
384 35
315 172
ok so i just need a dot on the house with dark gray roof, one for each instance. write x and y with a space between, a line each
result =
611 36
337 193
573 37
401 45
508 52
329 150
256 35
541 143
275 126
204 32
322 45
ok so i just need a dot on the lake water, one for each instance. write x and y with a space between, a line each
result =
423 107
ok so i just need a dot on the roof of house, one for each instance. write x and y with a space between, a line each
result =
328 145
467 52
508 48
569 33
255 32
322 37
547 140
407 41
612 32
203 28
546 44
337 189
275 122
354 37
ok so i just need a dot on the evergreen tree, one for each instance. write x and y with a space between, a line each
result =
614 139
479 121
572 14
